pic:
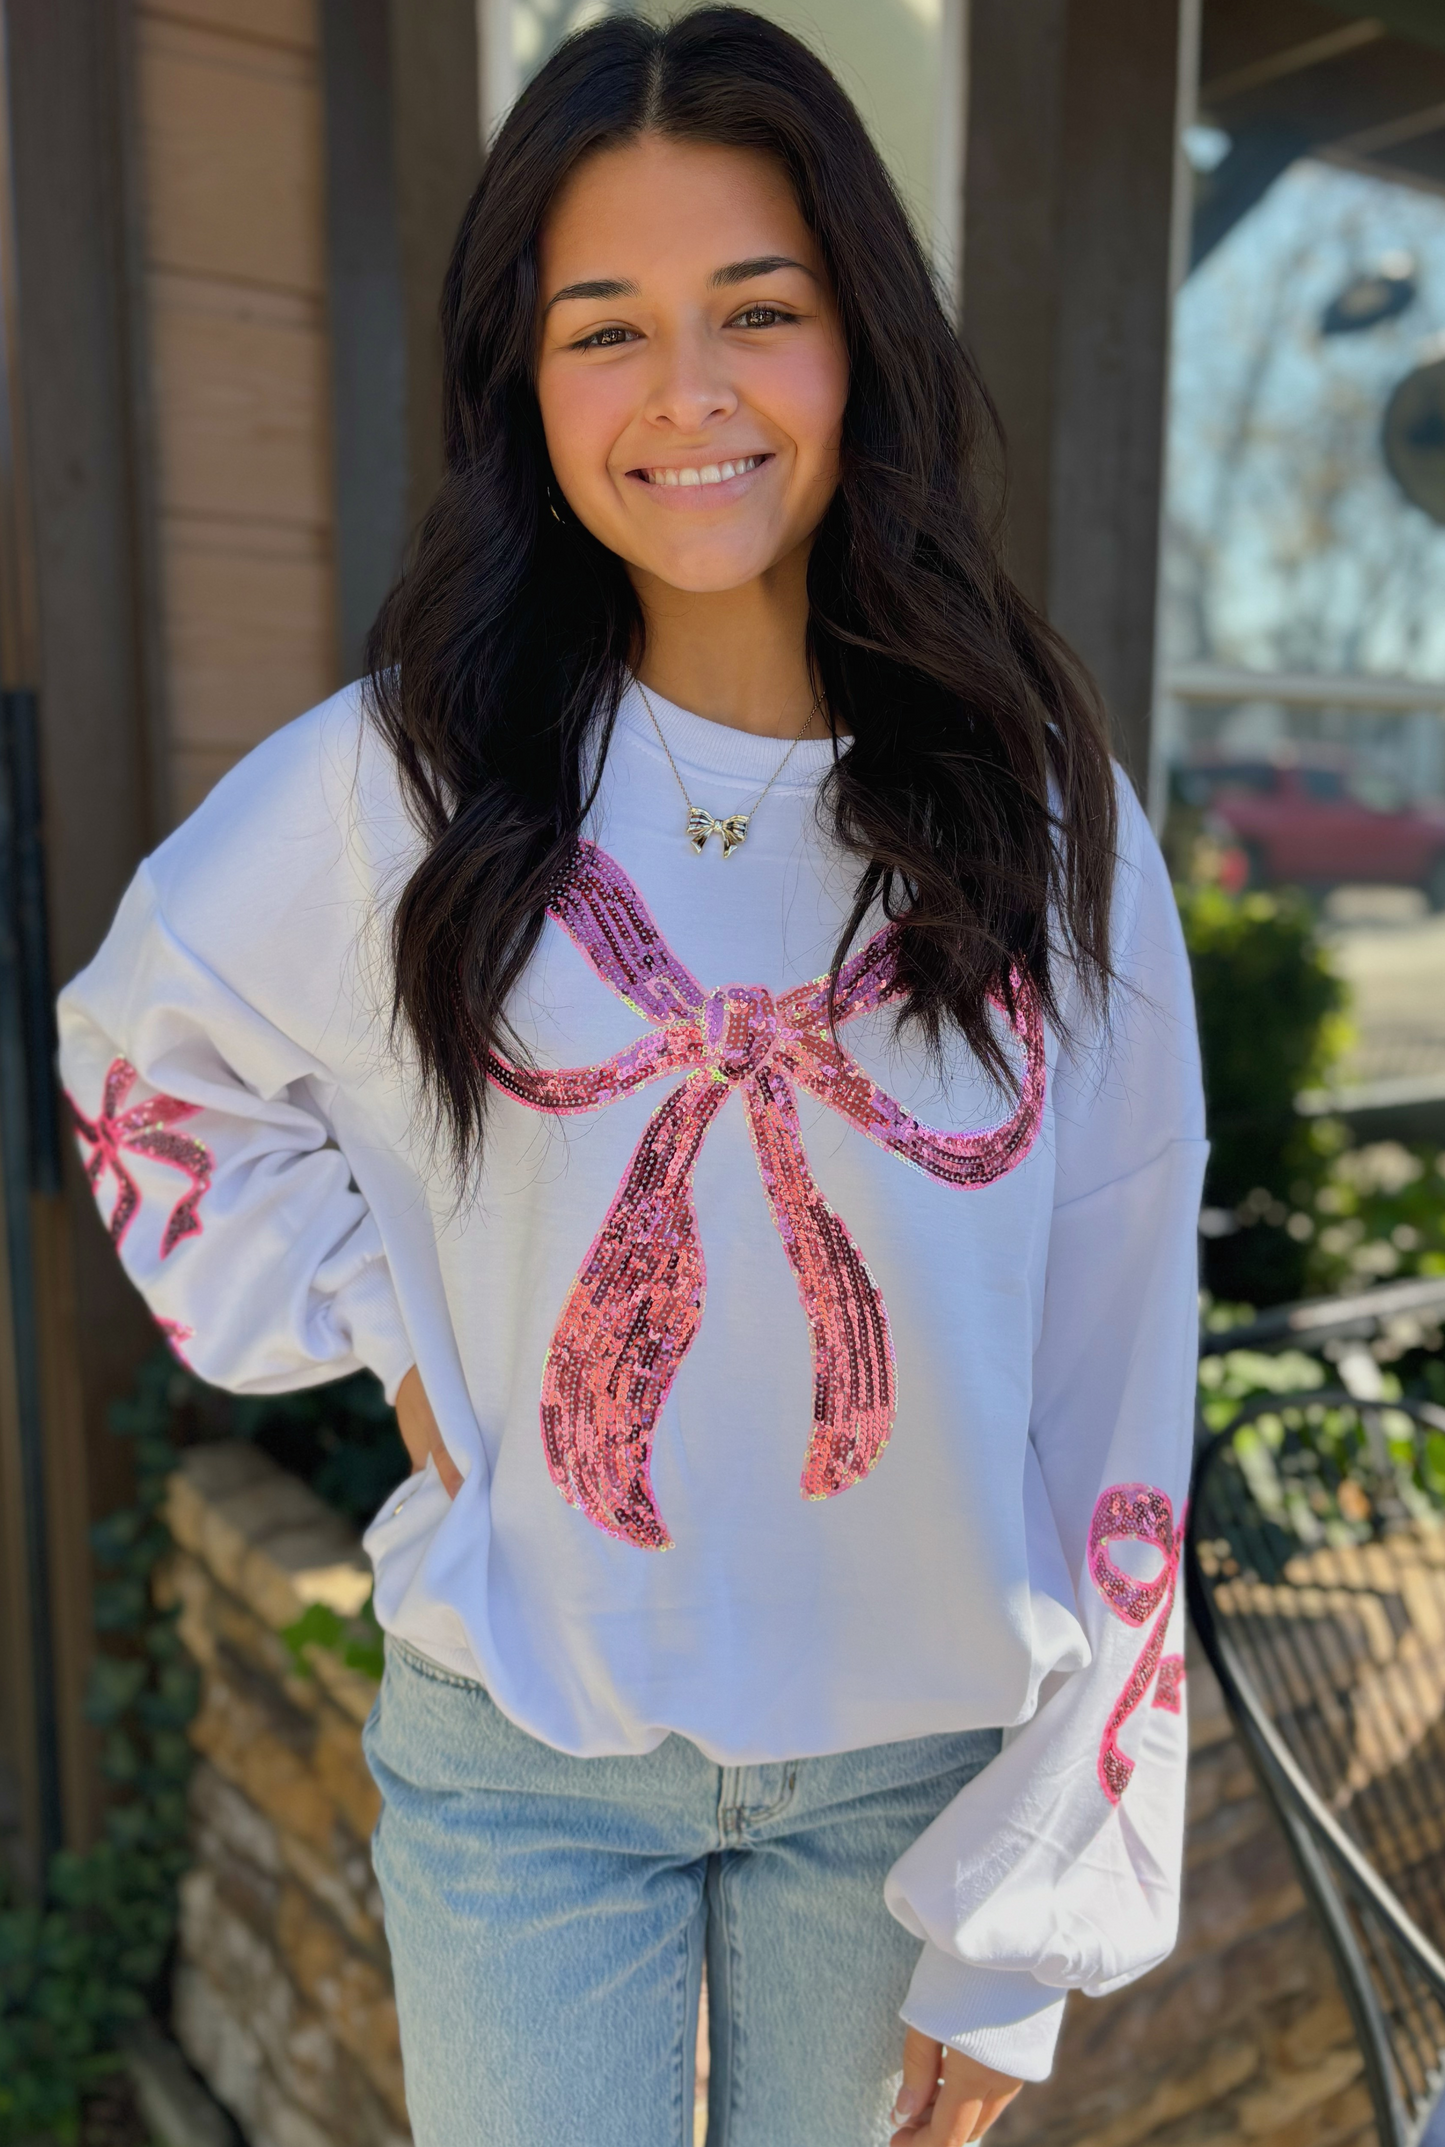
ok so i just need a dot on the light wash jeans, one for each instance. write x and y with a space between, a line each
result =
548 1918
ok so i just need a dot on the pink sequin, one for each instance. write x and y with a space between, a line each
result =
636 1304
145 1129
1169 1686
1136 1513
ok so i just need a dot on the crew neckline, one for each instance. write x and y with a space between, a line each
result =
703 747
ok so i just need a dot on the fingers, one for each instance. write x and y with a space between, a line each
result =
413 1417
447 1469
963 2098
922 2067
421 1434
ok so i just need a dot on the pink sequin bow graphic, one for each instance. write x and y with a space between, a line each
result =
145 1130
636 1304
1137 1513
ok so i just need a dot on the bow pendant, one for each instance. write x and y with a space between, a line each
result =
701 824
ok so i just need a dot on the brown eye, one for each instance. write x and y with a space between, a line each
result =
606 339
760 317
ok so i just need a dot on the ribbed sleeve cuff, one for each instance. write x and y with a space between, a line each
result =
1003 2018
378 1332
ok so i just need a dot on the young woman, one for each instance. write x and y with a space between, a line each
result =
707 1028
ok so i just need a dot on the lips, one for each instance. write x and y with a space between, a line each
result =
674 477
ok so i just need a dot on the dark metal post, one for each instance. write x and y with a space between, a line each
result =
29 1163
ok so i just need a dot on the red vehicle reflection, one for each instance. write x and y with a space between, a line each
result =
1308 816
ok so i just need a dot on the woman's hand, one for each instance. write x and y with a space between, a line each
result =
946 2098
418 1428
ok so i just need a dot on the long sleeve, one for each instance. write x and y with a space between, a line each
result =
202 1132
1057 1868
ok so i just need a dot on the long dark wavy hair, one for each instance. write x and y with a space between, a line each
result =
975 790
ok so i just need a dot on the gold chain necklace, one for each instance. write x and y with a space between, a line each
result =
700 822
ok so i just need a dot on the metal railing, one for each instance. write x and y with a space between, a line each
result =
1315 1574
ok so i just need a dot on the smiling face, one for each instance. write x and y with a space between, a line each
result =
691 371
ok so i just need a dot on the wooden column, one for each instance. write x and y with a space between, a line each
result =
231 295
437 123
73 1329
403 154
1073 243
368 318
167 591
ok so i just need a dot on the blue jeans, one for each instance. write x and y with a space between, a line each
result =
548 1919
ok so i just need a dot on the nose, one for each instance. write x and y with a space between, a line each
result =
691 390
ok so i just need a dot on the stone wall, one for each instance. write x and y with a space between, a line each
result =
283 1998
283 1993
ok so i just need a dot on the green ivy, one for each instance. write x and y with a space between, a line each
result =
91 1956
357 1641
341 1439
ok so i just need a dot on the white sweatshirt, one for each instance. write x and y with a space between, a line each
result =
786 1423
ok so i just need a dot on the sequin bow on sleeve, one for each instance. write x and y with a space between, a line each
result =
144 1130
636 1304
1137 1513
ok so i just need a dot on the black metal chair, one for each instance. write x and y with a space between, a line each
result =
1315 1568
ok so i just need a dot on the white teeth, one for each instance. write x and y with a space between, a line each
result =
711 473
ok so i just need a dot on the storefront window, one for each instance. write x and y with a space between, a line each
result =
1304 634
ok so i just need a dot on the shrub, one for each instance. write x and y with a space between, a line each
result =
1271 1022
1380 1213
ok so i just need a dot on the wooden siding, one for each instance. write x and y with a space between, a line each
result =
239 380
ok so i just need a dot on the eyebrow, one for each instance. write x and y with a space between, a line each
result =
766 264
595 287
